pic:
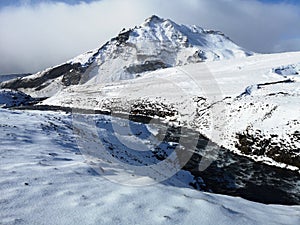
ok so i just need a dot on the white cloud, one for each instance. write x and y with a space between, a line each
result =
43 35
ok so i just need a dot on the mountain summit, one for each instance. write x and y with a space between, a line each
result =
156 44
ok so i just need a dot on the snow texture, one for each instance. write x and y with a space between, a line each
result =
45 180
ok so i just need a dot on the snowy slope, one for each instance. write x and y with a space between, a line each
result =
156 44
10 98
45 180
250 106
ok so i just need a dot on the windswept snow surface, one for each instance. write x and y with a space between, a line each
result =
45 180
248 105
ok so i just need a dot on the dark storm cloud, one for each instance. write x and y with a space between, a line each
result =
37 36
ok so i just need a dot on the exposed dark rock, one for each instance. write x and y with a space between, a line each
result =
276 82
10 98
272 147
72 77
40 82
147 66
214 32
122 37
151 109
154 19
287 70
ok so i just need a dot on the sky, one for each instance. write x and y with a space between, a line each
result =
37 34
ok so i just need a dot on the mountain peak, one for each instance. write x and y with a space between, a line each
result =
157 44
154 19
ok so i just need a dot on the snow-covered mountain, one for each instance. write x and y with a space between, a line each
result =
202 86
158 43
249 105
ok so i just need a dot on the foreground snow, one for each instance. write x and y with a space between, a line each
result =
45 180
